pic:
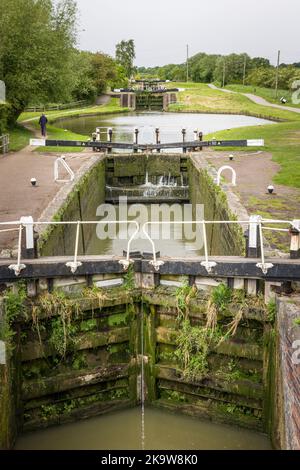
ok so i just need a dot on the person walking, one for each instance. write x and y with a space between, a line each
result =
43 122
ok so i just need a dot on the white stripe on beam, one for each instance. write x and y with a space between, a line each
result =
255 143
38 142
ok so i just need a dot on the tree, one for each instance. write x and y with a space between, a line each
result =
125 55
234 68
36 44
202 67
258 62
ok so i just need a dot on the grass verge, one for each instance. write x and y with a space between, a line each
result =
266 93
19 138
199 97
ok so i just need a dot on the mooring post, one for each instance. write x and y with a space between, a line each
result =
183 139
157 138
136 138
200 140
109 138
295 240
195 139
253 249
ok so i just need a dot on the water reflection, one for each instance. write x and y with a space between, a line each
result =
163 430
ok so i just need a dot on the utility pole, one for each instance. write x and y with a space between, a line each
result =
277 75
187 62
244 73
224 72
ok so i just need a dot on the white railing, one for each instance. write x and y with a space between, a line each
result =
254 223
4 143
74 264
256 226
61 162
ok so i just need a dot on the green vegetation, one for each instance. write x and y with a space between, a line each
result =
37 40
199 97
19 138
109 108
125 55
39 62
14 306
195 343
184 294
62 329
266 93
238 68
20 135
129 278
271 311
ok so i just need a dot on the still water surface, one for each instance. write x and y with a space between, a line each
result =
163 430
170 240
170 125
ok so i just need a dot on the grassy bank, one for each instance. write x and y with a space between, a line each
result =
199 97
19 138
57 133
112 107
266 93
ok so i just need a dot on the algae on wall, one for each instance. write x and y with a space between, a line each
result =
81 204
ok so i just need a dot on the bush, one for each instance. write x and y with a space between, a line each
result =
3 118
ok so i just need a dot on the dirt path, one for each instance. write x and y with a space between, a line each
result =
17 196
258 99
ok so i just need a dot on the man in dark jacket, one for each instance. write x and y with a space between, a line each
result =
42 122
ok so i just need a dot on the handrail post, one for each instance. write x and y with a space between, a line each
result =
17 268
29 242
263 265
75 264
207 264
154 262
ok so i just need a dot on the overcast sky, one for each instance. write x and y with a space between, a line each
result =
162 28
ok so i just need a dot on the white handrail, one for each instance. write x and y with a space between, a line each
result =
28 223
61 160
73 265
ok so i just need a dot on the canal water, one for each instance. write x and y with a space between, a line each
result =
174 240
170 125
163 430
